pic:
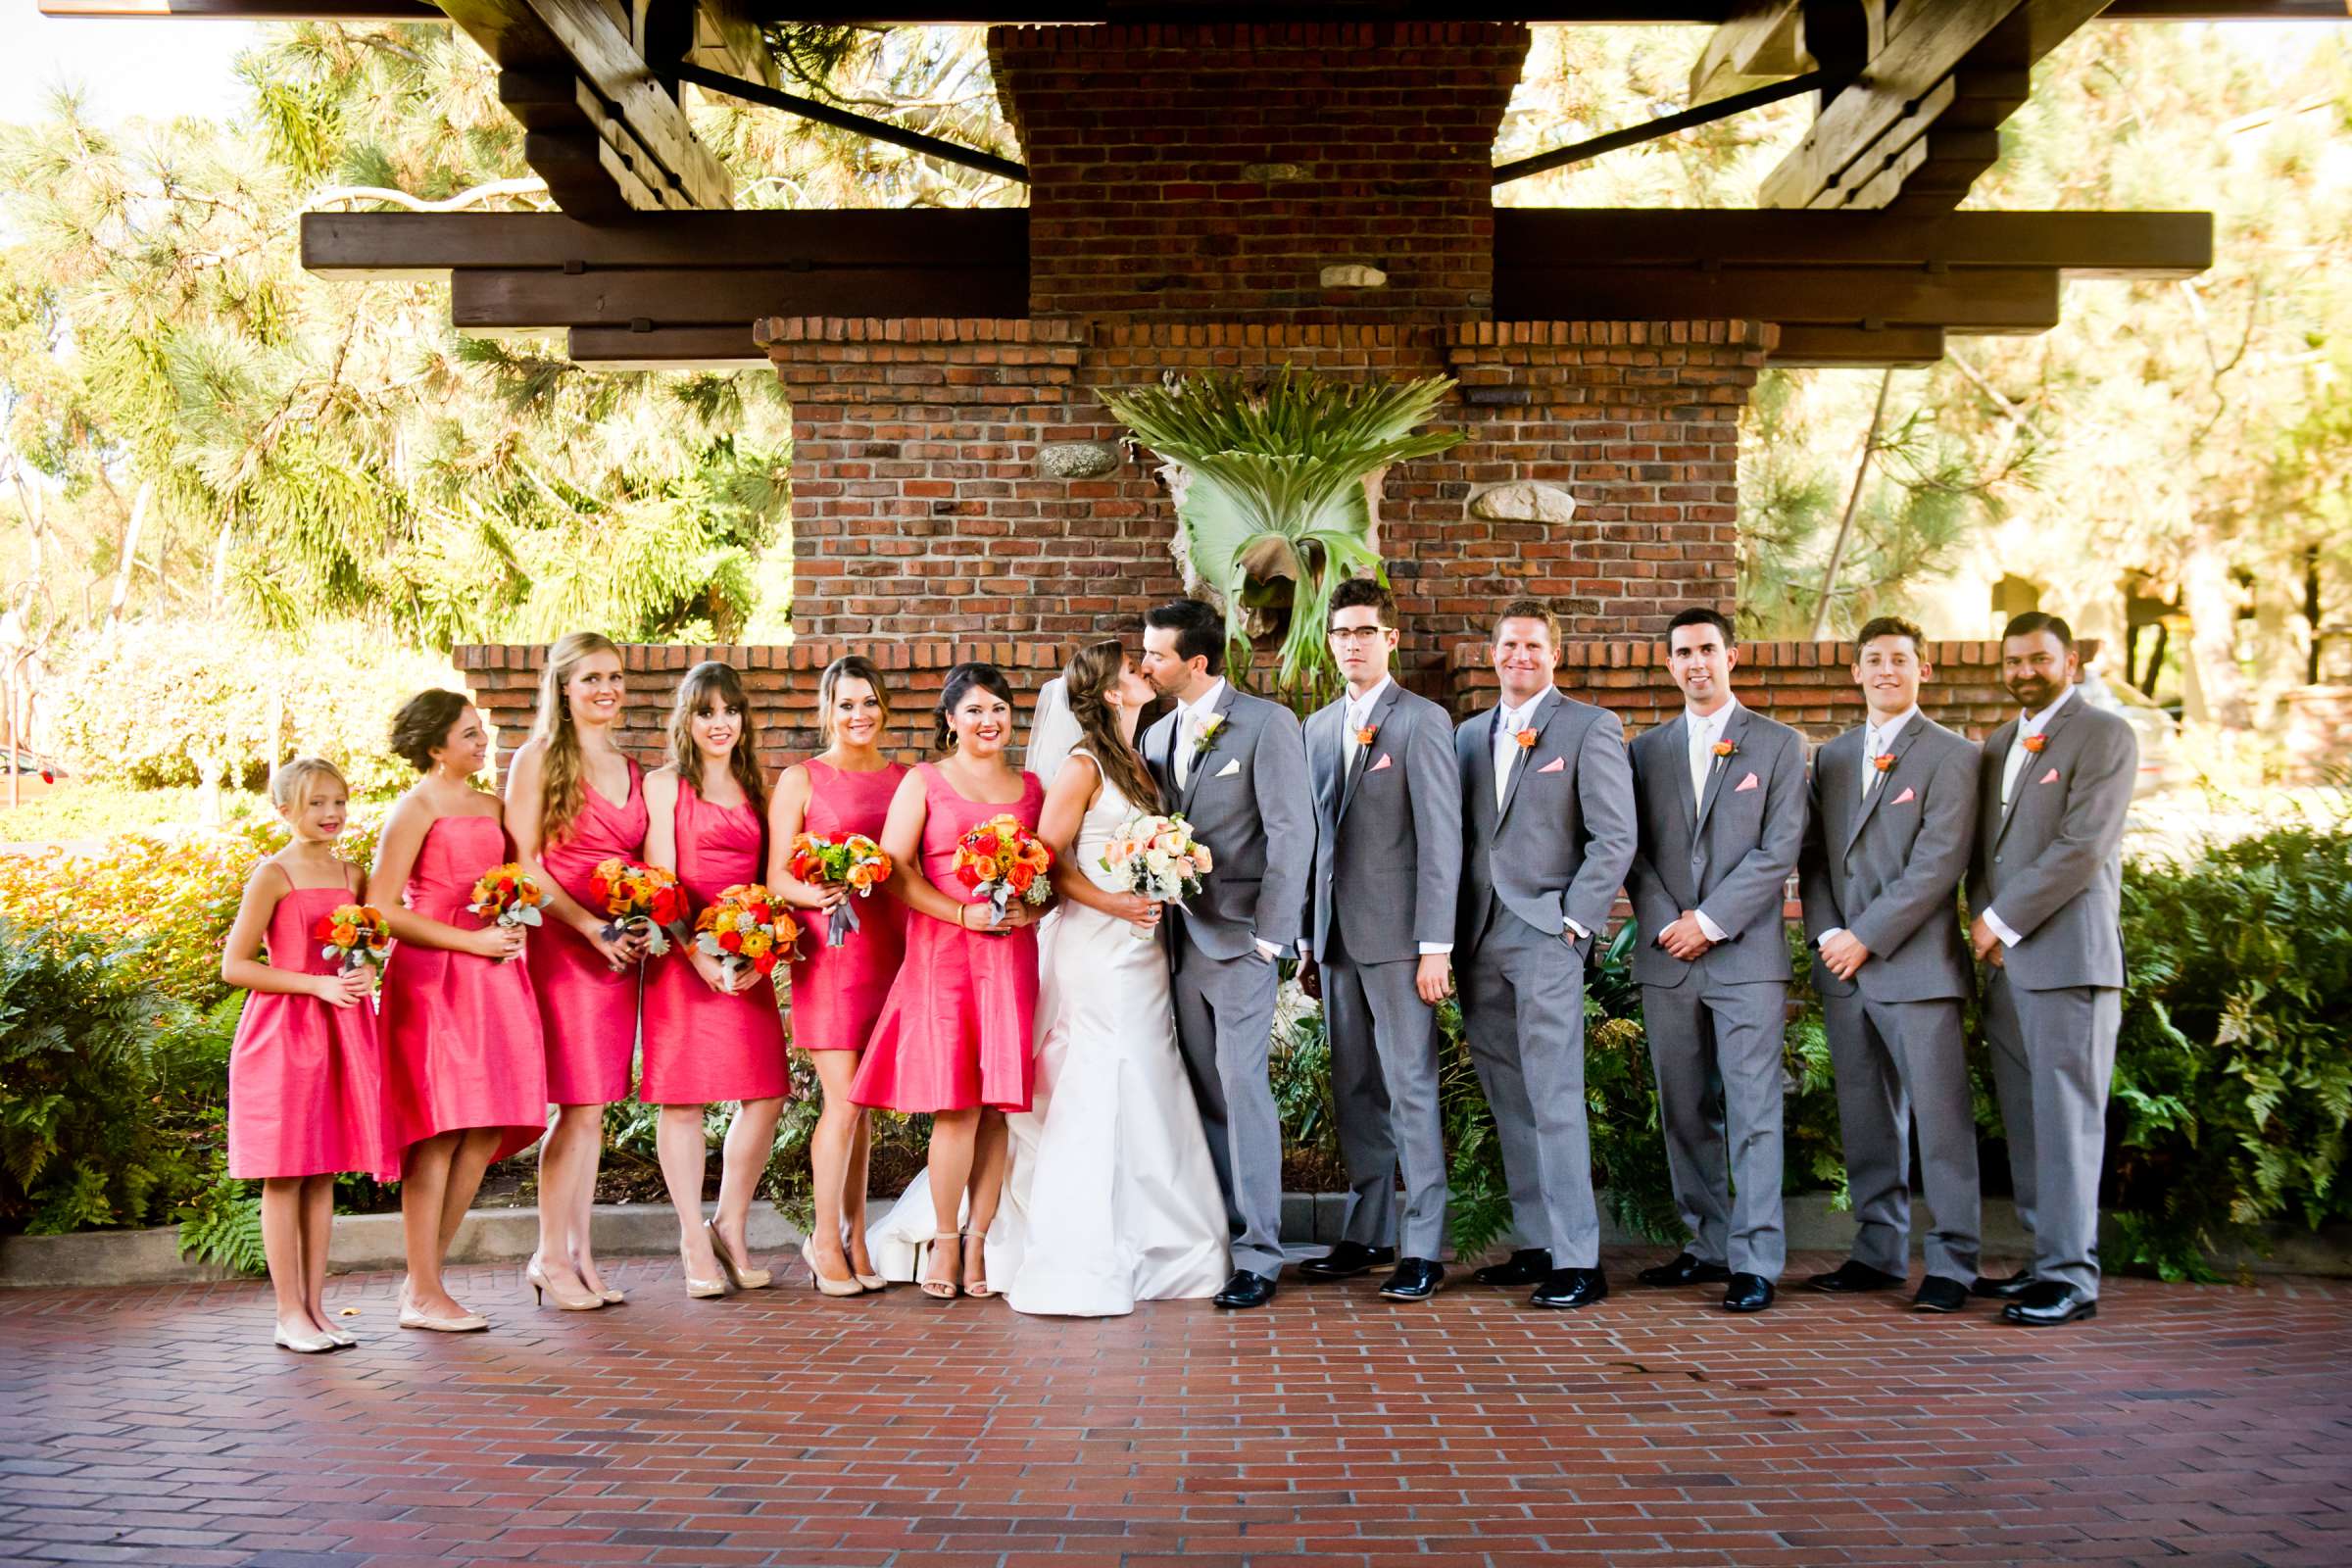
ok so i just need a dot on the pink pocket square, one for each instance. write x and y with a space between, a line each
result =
1745 784
2051 777
1552 766
1381 764
1908 794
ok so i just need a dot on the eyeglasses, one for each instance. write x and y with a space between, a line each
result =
1358 634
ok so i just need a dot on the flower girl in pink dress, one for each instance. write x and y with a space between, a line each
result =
305 1073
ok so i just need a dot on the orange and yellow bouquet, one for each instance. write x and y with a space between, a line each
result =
1002 861
638 897
354 934
742 928
854 862
505 895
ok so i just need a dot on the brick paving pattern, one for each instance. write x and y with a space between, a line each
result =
158 1425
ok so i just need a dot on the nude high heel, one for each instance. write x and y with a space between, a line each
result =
816 1276
872 1281
980 1290
742 1277
938 1290
700 1289
542 1287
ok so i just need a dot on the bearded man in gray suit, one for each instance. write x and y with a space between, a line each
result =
1235 767
1548 815
2047 888
1387 866
1894 814
1722 797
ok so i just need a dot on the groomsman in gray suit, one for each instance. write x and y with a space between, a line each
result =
1893 816
1547 812
1235 767
2047 888
1387 866
1722 797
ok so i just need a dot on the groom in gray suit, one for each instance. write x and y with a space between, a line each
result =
1236 767
1722 795
1387 865
1886 841
2047 889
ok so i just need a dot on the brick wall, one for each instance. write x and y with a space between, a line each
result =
1215 171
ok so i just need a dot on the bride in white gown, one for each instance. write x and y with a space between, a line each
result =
1110 1199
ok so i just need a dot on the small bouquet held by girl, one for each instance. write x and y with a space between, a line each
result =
353 935
506 895
638 897
1003 860
853 861
740 930
1158 858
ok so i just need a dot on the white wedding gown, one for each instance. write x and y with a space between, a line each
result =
1111 1198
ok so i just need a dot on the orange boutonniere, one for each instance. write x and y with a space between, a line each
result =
2034 743
1363 737
1883 761
1724 749
1526 739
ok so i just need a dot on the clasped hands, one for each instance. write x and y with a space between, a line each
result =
1685 940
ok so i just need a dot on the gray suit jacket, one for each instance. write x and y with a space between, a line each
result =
1888 869
1388 843
1558 847
2051 866
1727 854
1247 800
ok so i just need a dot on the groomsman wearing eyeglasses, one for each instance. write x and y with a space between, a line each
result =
2048 887
1379 928
1722 796
1548 815
1893 808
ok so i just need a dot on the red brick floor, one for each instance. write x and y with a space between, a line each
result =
2187 1423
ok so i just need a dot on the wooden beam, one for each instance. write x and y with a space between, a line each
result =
482 299
599 43
883 131
1763 40
680 348
1738 102
1855 347
244 9
429 246
1999 299
2158 245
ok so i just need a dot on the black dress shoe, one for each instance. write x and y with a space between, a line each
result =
2008 1290
1748 1293
1245 1289
1571 1287
1850 1278
1347 1260
2048 1304
1684 1270
1940 1294
1416 1279
1529 1266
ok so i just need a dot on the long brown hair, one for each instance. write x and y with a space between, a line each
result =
1089 676
564 772
714 682
849 666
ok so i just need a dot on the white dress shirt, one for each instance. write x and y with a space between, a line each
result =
1877 739
1189 717
1704 733
2012 765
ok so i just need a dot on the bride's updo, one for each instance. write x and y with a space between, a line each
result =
1085 682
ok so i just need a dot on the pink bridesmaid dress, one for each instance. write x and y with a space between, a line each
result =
588 1011
837 993
701 1047
306 1080
956 1030
461 1031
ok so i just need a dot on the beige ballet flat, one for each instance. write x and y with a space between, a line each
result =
741 1277
302 1343
470 1323
343 1340
542 1287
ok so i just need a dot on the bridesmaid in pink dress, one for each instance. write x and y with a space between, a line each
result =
710 1036
305 1073
955 1038
466 1072
573 800
837 993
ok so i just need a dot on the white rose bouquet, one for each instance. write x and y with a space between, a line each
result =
1157 858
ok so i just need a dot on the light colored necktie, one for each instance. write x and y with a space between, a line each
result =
1186 728
1870 770
1512 724
1702 757
2014 763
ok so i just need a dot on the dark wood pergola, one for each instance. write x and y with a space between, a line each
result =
1856 249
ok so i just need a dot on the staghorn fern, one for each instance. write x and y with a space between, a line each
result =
1273 489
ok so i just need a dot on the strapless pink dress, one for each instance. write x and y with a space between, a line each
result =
956 1029
837 993
701 1047
588 1011
460 1031
306 1080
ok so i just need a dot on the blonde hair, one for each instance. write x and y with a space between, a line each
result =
564 772
286 782
709 681
849 666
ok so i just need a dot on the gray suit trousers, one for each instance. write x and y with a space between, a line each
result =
1716 1052
2054 1059
1225 1025
1384 1084
1523 1010
1895 1060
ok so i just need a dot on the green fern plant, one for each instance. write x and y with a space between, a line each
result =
223 1226
1272 492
